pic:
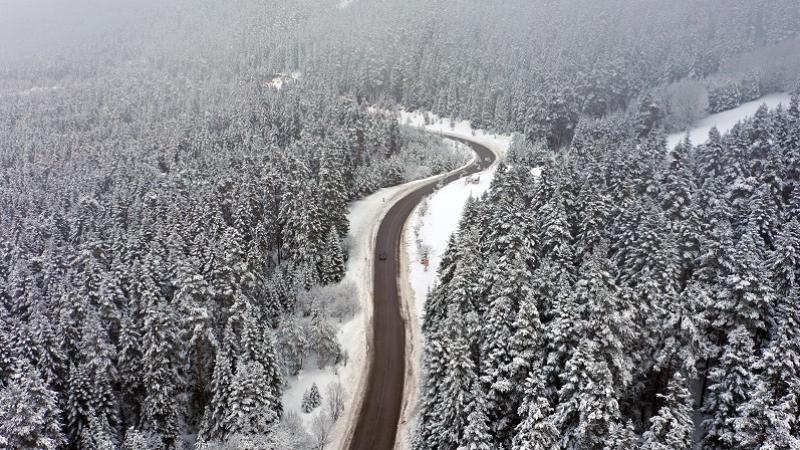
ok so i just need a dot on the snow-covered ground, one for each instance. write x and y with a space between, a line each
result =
442 212
725 120
348 335
441 216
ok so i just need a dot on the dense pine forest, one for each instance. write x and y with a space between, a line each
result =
619 292
159 219
173 201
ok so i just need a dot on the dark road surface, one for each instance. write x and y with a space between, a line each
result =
376 426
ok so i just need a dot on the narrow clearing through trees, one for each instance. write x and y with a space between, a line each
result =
379 413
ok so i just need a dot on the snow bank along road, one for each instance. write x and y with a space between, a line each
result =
376 428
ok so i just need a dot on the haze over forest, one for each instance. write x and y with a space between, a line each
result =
178 235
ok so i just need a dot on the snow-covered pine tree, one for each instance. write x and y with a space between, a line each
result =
311 399
161 377
136 440
322 337
257 346
673 426
129 365
528 349
587 406
730 383
537 430
332 266
97 434
711 156
449 386
92 388
253 406
333 188
768 419
215 421
510 285
620 437
29 412
464 290
597 368
477 434
292 345
784 262
436 303
47 353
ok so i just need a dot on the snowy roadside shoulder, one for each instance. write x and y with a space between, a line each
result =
425 237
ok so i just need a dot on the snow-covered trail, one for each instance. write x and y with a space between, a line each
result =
725 120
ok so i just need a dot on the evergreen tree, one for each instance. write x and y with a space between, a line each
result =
136 440
253 406
292 345
334 190
477 433
161 377
510 286
768 418
672 427
459 275
731 381
620 437
332 268
215 423
311 399
587 407
537 430
97 434
257 346
7 351
322 337
449 387
29 413
93 397
784 262
129 364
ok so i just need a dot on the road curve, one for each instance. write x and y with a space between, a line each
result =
376 426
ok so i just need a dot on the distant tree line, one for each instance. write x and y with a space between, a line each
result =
538 68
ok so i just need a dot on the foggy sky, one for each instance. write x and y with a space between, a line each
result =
36 26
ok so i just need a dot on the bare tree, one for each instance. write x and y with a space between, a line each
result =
334 400
688 102
321 427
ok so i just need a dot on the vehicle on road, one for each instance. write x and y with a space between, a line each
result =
382 255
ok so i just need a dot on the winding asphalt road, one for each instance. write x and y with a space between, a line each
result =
376 428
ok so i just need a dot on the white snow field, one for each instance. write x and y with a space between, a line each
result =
442 212
725 120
